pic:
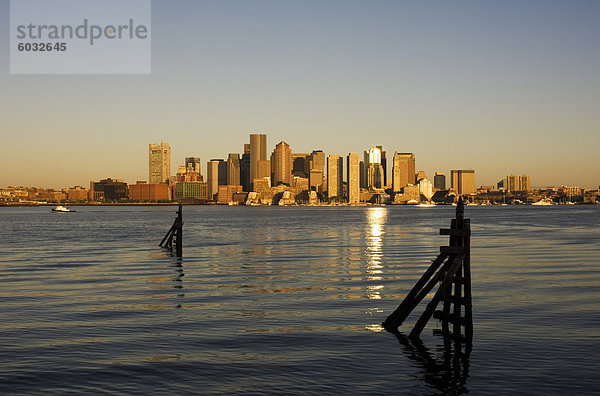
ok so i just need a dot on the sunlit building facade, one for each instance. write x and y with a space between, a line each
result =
403 170
159 163
335 180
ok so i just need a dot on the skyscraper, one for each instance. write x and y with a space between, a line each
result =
245 169
525 183
383 164
335 179
462 181
233 169
353 174
159 163
300 164
374 175
439 181
216 174
258 152
316 167
512 183
281 164
403 170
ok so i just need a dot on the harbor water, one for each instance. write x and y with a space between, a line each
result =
290 300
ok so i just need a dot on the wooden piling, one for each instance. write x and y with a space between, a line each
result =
452 269
175 232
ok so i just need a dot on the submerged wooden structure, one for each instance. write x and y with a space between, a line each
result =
452 269
176 233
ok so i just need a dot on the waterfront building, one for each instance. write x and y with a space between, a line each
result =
262 187
258 152
462 181
403 170
281 164
159 163
191 190
353 177
226 193
300 184
144 192
109 190
76 194
439 181
426 188
335 179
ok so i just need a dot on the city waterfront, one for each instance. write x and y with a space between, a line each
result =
290 300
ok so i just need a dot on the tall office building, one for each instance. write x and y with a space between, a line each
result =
403 170
525 183
462 181
281 164
233 169
383 164
512 183
245 169
439 181
258 152
362 174
353 175
159 163
335 178
216 175
316 169
374 175
300 165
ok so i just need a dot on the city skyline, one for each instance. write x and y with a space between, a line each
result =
501 88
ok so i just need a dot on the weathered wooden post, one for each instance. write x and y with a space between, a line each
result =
452 268
176 231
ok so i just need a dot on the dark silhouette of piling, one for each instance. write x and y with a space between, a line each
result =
452 268
175 232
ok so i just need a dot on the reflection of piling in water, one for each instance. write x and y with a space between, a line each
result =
446 369
453 269
175 232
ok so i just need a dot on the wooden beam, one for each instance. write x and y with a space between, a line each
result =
395 319
420 325
452 249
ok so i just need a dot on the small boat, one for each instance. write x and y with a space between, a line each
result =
426 205
61 208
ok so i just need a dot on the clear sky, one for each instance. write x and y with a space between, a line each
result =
497 86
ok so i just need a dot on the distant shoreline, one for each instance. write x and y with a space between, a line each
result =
221 204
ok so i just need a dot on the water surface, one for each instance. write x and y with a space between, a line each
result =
290 300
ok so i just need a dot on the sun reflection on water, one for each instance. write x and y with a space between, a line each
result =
376 219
